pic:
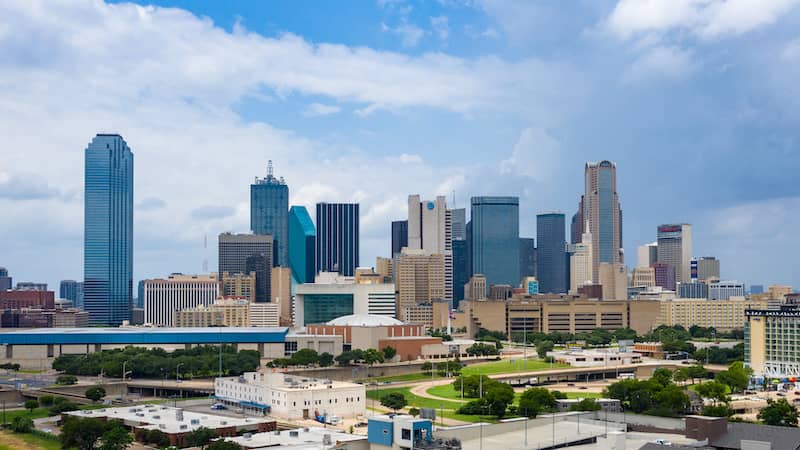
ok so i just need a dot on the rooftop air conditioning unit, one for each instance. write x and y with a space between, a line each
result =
184 426
247 436
156 416
305 429
326 439
195 421
294 433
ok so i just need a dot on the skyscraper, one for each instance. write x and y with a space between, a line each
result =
599 207
269 213
527 257
302 240
399 236
675 249
581 263
420 279
261 265
430 230
459 219
5 280
494 230
552 260
108 230
337 238
234 249
665 275
460 270
68 289
708 268
646 255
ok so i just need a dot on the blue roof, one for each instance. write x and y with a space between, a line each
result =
72 336
304 219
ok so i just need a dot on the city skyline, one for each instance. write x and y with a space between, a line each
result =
358 144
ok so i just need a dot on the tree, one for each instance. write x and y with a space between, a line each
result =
46 400
479 349
662 376
325 359
30 405
673 399
221 444
200 437
389 352
498 397
95 393
156 437
345 358
81 433
714 391
544 346
737 377
66 380
116 437
779 413
414 412
586 404
305 357
624 334
536 400
372 356
22 424
62 406
394 401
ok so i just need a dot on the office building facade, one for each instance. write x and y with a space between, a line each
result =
337 238
236 285
646 255
494 239
269 213
614 281
708 269
771 340
665 276
399 236
234 249
302 241
600 208
5 280
643 277
68 289
430 229
723 290
580 263
527 257
108 230
333 295
675 249
260 264
162 297
459 220
552 260
460 269
692 290
420 279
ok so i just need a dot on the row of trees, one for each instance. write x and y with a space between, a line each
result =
304 357
657 396
157 362
597 337
443 368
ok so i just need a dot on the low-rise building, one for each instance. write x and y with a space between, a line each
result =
223 313
606 404
723 315
399 431
302 439
724 290
649 349
175 422
292 397
595 358
364 331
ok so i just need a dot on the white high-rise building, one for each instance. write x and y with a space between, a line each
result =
580 264
162 297
646 255
430 228
675 249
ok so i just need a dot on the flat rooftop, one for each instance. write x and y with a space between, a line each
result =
286 382
143 335
299 439
166 418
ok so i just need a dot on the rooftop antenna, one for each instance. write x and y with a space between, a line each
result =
269 169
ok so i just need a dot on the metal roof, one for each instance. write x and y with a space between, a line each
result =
133 335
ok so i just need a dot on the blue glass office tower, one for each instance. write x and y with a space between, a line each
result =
600 208
68 289
108 230
269 213
494 232
551 253
399 236
527 257
337 238
302 239
460 270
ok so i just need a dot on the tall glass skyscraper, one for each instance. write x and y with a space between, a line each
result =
494 229
337 238
108 230
269 213
552 258
399 236
600 208
302 240
460 270
527 257
68 289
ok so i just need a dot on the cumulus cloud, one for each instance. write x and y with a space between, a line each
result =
150 204
410 34
535 155
319 109
660 62
213 212
27 186
705 18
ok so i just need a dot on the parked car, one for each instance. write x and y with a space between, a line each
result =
663 442
218 406
781 394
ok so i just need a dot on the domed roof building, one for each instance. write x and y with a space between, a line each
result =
364 320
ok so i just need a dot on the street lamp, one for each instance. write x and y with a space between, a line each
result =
178 373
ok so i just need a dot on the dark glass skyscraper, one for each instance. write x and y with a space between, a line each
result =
261 265
5 280
269 213
495 239
399 236
68 289
551 253
108 230
460 270
302 239
527 257
337 238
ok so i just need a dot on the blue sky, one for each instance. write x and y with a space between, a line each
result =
696 101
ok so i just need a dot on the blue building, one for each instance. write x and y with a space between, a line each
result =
399 431
399 236
551 253
337 238
527 257
5 280
108 230
68 289
693 290
269 213
460 270
494 230
302 239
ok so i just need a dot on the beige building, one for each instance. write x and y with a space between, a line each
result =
475 289
771 342
238 285
366 275
223 313
164 296
420 279
724 315
643 277
265 314
282 294
580 264
614 279
384 268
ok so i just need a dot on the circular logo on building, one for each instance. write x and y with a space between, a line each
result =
431 205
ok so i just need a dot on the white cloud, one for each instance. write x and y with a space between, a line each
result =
535 155
410 34
441 27
319 109
706 18
791 52
660 63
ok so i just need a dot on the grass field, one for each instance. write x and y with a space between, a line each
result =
38 413
509 366
583 394
16 441
449 407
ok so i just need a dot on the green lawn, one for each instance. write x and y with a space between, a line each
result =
583 394
416 376
422 402
9 441
39 413
447 391
693 388
509 366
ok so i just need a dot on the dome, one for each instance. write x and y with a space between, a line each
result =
364 320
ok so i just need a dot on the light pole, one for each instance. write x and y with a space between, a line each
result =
178 373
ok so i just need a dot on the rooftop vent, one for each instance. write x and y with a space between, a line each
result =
294 433
326 439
